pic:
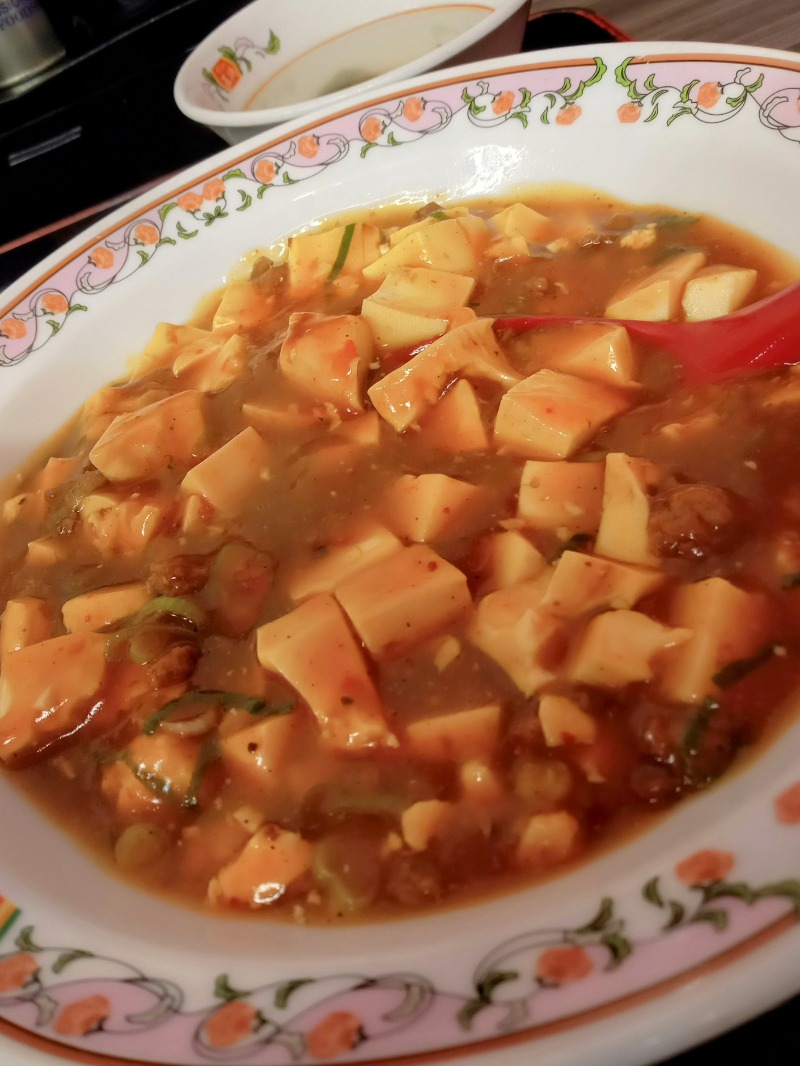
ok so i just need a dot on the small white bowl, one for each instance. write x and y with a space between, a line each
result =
275 60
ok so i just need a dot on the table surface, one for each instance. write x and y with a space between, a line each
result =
772 24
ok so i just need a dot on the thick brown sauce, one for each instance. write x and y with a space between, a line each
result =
303 507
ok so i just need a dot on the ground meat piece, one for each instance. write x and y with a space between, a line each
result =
693 521
685 746
179 575
427 210
175 665
655 783
413 879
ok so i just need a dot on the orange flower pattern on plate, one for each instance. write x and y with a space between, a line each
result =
190 201
16 971
265 171
708 95
336 1033
102 257
214 189
413 108
372 129
503 103
55 303
82 1016
567 115
308 146
704 866
559 966
787 805
13 329
231 1024
145 233
629 112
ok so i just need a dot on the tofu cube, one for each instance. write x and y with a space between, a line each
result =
116 525
404 600
211 368
314 650
561 496
230 474
26 620
55 472
717 290
365 545
593 351
271 860
431 507
47 690
425 820
452 244
511 627
92 611
455 423
582 584
328 357
563 721
255 755
506 559
547 839
312 256
456 736
620 647
471 349
413 304
728 624
623 532
244 306
523 221
550 415
140 444
656 295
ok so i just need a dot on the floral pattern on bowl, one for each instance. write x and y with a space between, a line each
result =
236 63
718 877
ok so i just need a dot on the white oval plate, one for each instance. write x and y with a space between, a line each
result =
669 939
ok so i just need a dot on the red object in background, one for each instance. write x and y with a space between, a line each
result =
565 26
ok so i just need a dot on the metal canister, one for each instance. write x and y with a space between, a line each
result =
28 43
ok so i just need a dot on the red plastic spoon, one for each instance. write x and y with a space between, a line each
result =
761 336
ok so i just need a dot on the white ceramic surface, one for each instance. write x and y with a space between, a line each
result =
276 60
669 939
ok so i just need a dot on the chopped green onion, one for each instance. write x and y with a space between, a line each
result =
338 799
698 726
177 605
344 248
154 782
739 668
671 221
347 868
209 752
143 644
252 704
150 642
577 542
